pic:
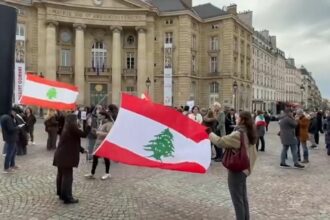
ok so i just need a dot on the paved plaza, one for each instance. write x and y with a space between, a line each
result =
142 193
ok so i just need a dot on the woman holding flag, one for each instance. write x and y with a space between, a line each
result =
244 135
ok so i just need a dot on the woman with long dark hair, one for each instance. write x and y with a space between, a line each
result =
237 180
67 156
30 120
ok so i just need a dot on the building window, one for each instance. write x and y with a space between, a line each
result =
99 55
194 42
193 60
213 64
130 89
130 40
214 93
130 61
235 44
169 21
168 37
214 43
215 26
214 88
20 30
65 57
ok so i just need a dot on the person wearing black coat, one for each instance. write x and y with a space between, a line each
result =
51 127
319 126
10 130
67 156
230 122
30 122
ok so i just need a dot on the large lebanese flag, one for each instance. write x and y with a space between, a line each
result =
152 135
48 94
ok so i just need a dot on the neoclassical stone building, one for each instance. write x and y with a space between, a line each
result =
106 47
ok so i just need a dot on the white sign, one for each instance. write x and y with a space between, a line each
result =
19 63
191 104
83 115
168 71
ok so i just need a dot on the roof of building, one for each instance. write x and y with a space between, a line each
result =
208 11
168 5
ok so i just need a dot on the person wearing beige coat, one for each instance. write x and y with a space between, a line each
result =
237 180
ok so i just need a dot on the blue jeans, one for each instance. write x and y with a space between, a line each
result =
91 144
10 155
4 149
294 152
305 149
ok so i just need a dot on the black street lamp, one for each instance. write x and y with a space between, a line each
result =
302 89
235 87
148 84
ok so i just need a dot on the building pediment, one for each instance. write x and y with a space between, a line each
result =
102 4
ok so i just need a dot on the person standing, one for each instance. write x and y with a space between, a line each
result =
195 115
237 180
220 115
92 117
51 127
288 138
230 121
30 120
319 126
327 134
101 134
267 119
303 124
67 156
312 130
10 135
210 121
261 130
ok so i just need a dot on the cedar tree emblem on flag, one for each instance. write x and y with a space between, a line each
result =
162 145
52 93
162 138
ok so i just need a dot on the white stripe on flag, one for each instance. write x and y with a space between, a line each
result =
39 91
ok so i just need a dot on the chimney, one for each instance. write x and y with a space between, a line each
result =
187 3
232 9
273 41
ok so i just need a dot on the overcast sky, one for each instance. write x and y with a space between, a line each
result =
302 28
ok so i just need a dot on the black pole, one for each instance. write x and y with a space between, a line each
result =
8 20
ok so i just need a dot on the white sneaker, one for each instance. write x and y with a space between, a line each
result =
33 143
89 176
106 176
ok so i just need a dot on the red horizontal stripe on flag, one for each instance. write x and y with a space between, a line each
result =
116 153
165 115
25 100
52 83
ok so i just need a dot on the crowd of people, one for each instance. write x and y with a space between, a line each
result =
227 129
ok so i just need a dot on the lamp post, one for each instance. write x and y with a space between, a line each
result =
302 89
235 86
148 84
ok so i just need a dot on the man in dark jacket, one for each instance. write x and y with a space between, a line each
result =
10 135
288 138
230 122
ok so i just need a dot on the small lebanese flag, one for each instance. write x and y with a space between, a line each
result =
48 94
260 121
152 135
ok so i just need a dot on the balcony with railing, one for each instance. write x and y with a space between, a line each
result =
64 70
129 73
92 71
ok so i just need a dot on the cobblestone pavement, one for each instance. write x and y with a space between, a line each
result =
141 193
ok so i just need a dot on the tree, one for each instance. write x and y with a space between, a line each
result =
52 94
162 145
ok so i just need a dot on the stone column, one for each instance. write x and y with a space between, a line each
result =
79 67
141 61
116 64
51 50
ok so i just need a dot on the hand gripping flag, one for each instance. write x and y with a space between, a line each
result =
152 135
48 94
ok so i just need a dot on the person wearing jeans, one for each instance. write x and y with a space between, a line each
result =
288 138
261 130
101 133
10 135
303 122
